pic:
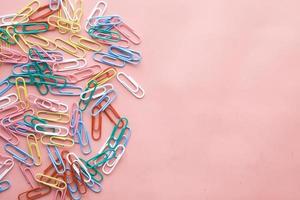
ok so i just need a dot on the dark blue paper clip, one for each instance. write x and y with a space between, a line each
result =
4 185
84 139
7 85
58 163
24 157
68 90
109 59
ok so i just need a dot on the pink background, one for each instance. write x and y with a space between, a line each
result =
221 118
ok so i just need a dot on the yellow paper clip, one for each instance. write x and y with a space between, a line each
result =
54 116
33 144
19 39
22 91
104 76
51 181
85 43
57 141
70 48
64 24
37 40
26 12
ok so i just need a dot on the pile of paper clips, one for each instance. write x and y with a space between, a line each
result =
40 62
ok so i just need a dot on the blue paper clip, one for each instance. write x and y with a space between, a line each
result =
23 157
4 185
104 98
57 163
84 140
109 59
125 54
73 90
7 85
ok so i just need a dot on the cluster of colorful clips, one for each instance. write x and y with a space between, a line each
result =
41 62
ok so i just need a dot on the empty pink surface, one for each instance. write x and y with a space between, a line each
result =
220 119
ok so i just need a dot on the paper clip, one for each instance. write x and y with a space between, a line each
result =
70 64
109 59
107 98
84 140
104 76
21 42
38 54
28 174
6 87
26 12
6 20
79 179
57 162
51 130
12 56
31 28
117 134
52 182
8 100
110 165
98 92
85 43
16 117
42 13
98 11
23 156
6 167
48 104
82 166
100 159
125 54
84 104
54 4
128 33
34 146
64 25
68 90
83 74
96 126
54 116
22 91
35 193
4 185
57 141
135 90
70 48
38 40
111 113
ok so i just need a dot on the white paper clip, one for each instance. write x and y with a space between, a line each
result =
136 90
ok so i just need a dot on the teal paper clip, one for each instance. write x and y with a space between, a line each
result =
31 28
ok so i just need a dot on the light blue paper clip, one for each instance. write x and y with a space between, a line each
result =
6 85
68 90
84 139
104 98
56 162
23 157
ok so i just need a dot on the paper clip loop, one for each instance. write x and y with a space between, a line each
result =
8 100
4 185
98 11
7 167
54 4
135 90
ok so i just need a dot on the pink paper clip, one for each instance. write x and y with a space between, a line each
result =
122 43
48 104
9 137
6 167
69 65
16 117
128 33
28 175
8 55
81 74
21 130
12 109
